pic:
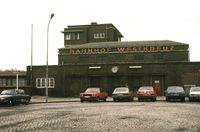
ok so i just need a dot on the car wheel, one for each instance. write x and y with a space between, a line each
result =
27 101
167 99
11 102
98 99
183 99
114 100
190 99
139 99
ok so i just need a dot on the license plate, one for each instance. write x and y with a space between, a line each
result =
87 96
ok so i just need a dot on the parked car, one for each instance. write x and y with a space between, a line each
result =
194 94
14 96
146 92
122 93
187 87
93 94
175 92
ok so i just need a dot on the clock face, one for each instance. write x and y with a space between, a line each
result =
115 69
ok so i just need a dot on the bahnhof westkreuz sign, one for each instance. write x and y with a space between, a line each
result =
121 50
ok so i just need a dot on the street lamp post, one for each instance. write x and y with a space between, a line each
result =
17 80
47 74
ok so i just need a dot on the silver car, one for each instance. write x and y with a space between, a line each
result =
194 93
122 93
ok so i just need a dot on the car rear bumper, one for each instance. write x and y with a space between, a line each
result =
122 97
89 98
147 97
194 97
175 97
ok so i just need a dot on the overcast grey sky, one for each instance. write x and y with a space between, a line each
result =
176 20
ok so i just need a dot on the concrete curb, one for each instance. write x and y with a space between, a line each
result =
42 99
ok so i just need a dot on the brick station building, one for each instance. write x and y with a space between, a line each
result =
94 56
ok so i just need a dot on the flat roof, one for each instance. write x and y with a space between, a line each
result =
12 73
125 44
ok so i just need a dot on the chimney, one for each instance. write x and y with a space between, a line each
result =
93 23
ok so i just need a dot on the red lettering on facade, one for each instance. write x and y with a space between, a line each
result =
84 51
103 50
120 49
77 51
96 50
165 48
90 51
152 49
171 48
71 51
145 49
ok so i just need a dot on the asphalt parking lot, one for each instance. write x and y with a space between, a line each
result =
70 115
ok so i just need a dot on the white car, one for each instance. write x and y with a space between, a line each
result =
194 93
122 93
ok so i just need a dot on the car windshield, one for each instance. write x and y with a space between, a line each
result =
175 89
8 92
146 89
92 90
195 89
122 89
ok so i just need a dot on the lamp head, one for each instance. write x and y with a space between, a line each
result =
52 15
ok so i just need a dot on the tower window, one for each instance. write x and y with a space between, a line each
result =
68 36
72 36
99 35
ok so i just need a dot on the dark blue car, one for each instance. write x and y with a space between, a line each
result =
14 96
175 93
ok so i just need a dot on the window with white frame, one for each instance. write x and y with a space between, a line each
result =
102 35
77 36
41 82
99 35
72 36
68 36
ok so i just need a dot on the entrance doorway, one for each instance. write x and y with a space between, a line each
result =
158 84
95 81
134 82
116 81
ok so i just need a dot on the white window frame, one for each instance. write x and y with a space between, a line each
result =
99 35
72 36
78 36
95 35
68 36
41 82
102 35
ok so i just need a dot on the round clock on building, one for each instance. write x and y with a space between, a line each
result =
115 69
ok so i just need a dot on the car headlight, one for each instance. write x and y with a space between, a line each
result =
3 98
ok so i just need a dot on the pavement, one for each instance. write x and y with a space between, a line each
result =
159 116
42 99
